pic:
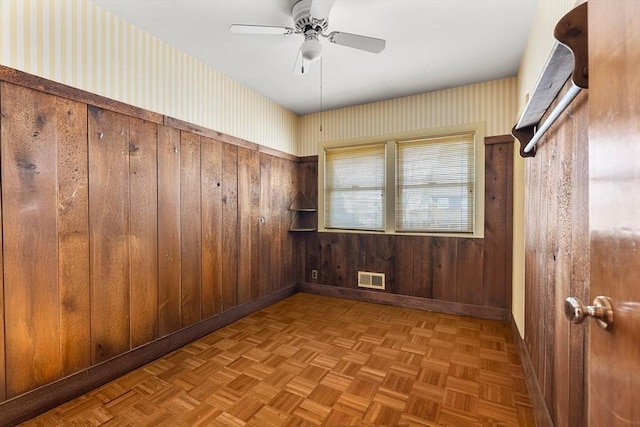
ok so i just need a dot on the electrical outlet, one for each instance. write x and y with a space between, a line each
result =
314 274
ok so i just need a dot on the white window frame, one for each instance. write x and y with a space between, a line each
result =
391 141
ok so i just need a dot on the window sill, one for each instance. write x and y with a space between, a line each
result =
403 233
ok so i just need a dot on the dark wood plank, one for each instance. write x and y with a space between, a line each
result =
29 203
278 225
244 225
404 264
3 372
190 228
339 268
73 236
248 224
510 147
143 184
422 268
3 376
169 254
579 284
444 254
469 283
356 258
558 260
109 233
495 219
386 249
229 226
267 235
211 159
290 189
255 191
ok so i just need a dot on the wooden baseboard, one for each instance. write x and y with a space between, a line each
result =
540 409
406 301
40 400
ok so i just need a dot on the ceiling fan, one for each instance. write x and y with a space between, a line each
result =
311 19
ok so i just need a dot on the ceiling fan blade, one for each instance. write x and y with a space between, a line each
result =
320 8
259 29
302 65
356 41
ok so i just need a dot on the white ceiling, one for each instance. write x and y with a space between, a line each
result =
431 45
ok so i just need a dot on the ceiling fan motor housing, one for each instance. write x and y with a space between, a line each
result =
303 20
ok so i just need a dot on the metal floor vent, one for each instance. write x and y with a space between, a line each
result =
371 280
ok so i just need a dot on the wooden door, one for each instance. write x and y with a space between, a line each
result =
613 371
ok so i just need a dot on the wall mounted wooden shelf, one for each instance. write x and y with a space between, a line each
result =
568 58
304 217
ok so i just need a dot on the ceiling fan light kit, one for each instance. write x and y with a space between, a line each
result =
311 48
311 19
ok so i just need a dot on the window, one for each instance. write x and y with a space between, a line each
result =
354 191
431 184
435 184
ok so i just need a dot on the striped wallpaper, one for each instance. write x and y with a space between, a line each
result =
76 43
493 102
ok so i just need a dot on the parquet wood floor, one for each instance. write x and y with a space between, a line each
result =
315 360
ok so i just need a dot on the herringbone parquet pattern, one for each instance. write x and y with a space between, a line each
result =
312 360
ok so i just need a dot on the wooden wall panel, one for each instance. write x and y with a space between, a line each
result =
422 269
3 376
73 236
469 277
267 230
109 233
278 227
404 264
191 228
293 242
211 160
248 224
29 201
3 361
556 261
444 253
497 214
117 232
143 184
229 227
169 238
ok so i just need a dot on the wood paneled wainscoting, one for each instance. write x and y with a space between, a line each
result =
454 275
125 234
557 261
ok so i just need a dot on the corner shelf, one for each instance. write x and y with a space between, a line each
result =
304 213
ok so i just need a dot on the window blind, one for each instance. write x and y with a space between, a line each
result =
435 188
354 181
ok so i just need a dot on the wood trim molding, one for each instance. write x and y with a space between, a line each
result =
498 139
406 301
40 400
540 409
308 159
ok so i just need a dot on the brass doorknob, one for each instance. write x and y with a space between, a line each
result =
601 310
